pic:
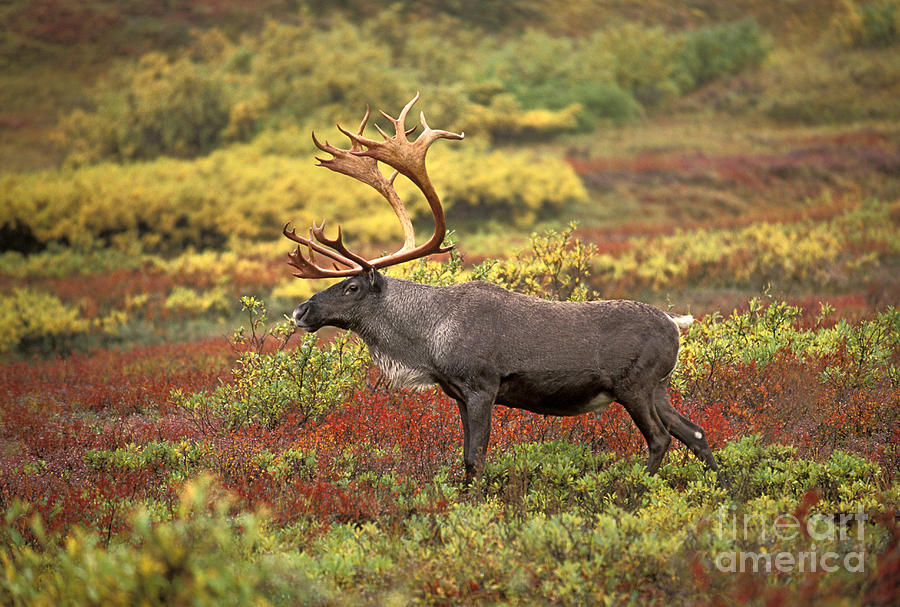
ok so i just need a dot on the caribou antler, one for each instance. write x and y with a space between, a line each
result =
361 163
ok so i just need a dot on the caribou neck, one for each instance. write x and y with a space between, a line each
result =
404 314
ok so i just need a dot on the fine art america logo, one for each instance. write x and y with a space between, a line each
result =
842 534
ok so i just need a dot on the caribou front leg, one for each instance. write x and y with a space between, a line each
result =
475 408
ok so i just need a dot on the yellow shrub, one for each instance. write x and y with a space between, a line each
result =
34 315
297 290
244 194
112 322
556 266
187 300
504 119
758 254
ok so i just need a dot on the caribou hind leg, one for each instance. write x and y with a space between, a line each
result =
686 431
639 405
689 433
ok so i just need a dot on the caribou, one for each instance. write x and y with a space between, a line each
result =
482 344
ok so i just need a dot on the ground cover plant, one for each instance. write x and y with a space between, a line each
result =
366 483
166 437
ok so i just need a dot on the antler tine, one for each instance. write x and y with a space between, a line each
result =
397 151
306 268
400 121
309 268
309 243
429 135
365 169
365 120
338 245
377 128
354 146
312 255
402 117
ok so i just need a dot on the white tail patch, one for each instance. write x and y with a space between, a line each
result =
682 322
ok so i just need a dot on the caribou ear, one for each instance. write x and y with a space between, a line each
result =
376 280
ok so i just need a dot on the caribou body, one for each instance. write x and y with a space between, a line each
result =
482 344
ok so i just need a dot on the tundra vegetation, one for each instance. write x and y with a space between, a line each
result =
737 162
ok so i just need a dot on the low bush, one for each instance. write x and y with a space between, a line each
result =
245 194
721 50
338 494
504 120
189 302
820 388
872 24
863 354
57 261
837 252
556 265
157 107
33 319
553 526
204 555
287 385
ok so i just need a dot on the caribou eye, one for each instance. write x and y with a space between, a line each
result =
351 289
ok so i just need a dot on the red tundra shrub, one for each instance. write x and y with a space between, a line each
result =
417 433
793 401
52 412
118 381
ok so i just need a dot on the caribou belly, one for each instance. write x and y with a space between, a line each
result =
549 396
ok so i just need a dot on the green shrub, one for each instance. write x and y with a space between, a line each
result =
316 75
869 350
156 107
205 555
182 457
556 265
873 24
509 548
600 101
716 51
597 101
846 482
880 23
533 61
310 70
645 61
57 261
268 389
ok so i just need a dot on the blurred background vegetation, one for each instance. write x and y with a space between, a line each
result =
685 138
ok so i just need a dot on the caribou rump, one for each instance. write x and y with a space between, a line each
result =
482 344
